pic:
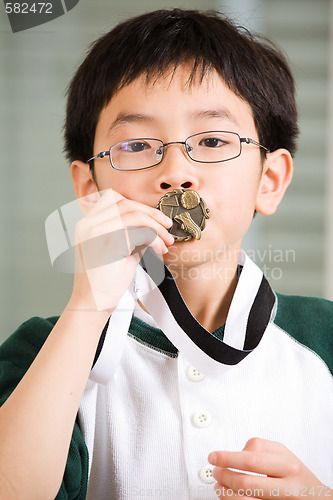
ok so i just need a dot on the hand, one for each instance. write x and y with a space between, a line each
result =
110 241
284 475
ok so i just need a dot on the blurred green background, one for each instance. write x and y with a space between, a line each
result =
293 246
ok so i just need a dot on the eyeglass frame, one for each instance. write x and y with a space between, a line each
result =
246 140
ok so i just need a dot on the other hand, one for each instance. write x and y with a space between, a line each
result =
283 475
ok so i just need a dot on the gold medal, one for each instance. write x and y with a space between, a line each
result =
188 212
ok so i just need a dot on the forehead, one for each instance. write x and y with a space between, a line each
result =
177 96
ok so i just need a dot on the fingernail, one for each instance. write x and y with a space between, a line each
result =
171 239
212 458
215 473
168 221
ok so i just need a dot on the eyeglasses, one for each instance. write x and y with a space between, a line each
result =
206 147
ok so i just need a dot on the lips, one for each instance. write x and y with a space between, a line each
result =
188 212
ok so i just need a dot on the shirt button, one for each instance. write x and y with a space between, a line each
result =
194 374
206 474
201 419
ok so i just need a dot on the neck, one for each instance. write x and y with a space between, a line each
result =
208 288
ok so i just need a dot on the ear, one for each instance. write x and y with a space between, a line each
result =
275 178
85 187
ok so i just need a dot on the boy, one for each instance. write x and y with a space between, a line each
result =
167 108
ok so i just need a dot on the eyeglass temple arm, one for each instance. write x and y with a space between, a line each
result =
251 141
100 155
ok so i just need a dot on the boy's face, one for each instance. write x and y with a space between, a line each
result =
170 111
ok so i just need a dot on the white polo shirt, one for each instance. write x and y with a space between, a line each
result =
150 428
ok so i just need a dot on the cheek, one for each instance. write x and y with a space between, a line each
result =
122 182
234 200
236 192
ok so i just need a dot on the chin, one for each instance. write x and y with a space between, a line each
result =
188 252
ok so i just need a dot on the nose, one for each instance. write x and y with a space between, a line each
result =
176 169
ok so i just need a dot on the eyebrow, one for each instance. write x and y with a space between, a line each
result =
124 118
219 113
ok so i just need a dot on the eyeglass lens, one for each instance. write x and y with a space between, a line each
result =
207 147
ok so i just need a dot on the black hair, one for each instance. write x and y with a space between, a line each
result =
153 43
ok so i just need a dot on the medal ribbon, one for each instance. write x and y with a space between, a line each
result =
248 317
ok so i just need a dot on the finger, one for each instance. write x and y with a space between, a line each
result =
159 247
96 225
270 464
265 446
125 206
116 245
139 237
141 220
247 485
110 220
112 204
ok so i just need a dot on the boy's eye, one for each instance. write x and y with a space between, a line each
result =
212 142
134 147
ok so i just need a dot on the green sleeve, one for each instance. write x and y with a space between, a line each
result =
309 321
16 355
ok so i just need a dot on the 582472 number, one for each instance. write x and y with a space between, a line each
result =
25 8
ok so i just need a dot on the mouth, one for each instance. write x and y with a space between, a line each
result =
188 212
